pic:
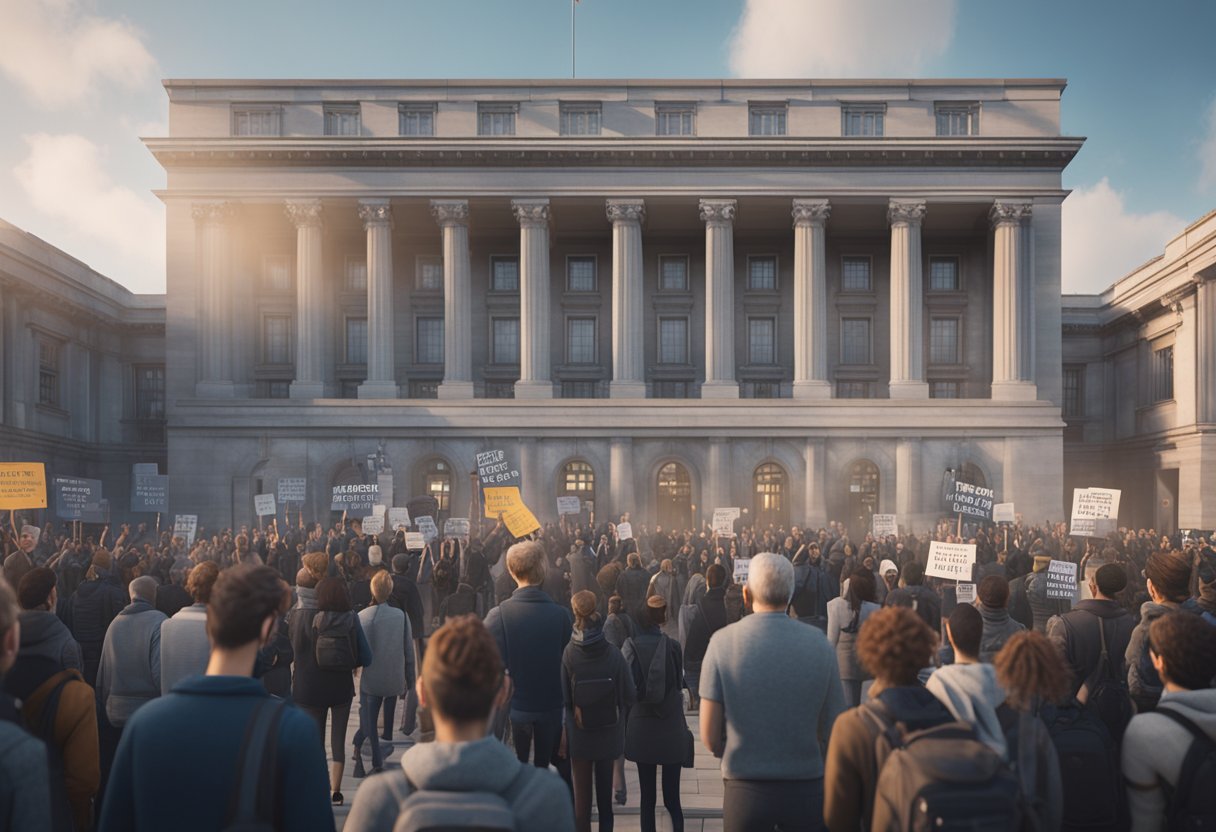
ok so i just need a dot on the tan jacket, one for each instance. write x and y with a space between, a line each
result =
75 734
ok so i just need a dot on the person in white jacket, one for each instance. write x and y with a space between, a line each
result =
380 683
968 688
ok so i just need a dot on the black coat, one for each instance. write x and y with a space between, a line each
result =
707 620
655 734
92 608
598 660
1076 633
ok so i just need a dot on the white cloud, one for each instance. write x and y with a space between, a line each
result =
839 38
64 177
58 52
1103 241
1207 151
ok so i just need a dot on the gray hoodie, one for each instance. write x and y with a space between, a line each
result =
43 634
972 694
1153 749
542 801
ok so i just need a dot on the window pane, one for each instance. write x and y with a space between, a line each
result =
580 340
957 121
1072 393
417 121
1163 374
342 121
500 389
506 341
767 121
278 389
862 122
505 276
943 341
150 392
761 341
855 341
943 390
673 340
255 121
430 274
429 337
276 339
580 390
424 389
673 274
855 274
674 121
943 274
356 274
356 340
580 274
762 273
670 389
579 477
492 122
580 121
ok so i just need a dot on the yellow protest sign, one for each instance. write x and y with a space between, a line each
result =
22 485
500 499
518 518
520 521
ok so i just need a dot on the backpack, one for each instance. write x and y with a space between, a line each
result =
654 681
594 700
1090 775
252 804
337 645
427 810
1105 692
941 777
1191 803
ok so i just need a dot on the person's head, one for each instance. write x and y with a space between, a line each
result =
1169 576
993 592
585 606
352 559
526 563
143 589
305 579
317 563
666 565
656 611
1182 648
375 555
246 601
1108 581
332 595
242 542
37 590
461 672
770 582
401 563
382 586
28 539
202 581
964 628
633 560
913 574
894 645
1031 670
862 588
715 575
615 603
889 572
10 626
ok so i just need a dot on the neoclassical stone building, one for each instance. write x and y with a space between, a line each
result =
813 299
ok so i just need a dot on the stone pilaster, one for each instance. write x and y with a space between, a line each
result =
215 259
381 383
453 217
534 378
719 218
1012 297
628 312
718 494
810 300
907 301
620 481
815 510
309 382
907 483
1205 349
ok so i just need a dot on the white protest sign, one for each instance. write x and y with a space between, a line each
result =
742 565
624 531
456 527
1062 580
378 510
398 518
724 521
964 593
1003 513
292 489
185 525
263 505
884 524
568 505
950 560
414 541
426 525
373 524
1089 505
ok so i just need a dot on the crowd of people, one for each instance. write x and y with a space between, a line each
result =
150 683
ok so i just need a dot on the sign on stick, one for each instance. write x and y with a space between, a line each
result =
952 561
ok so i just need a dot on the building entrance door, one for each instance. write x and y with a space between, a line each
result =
675 497
863 498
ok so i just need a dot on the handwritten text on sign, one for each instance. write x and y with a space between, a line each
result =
494 469
972 500
952 561
1062 579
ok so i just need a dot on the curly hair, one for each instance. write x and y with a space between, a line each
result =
1031 670
895 644
462 670
201 581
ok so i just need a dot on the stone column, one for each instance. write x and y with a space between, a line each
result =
907 482
215 278
719 493
311 307
620 481
815 509
534 381
628 312
907 301
810 300
1012 296
719 218
453 217
1205 349
381 383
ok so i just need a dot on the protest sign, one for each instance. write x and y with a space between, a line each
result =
427 526
742 565
186 526
77 499
292 489
624 531
263 505
972 500
568 505
414 541
150 492
500 500
398 518
1090 506
950 560
456 527
356 499
964 593
373 524
494 469
1062 579
724 521
1003 513
22 485
378 510
520 520
145 469
884 524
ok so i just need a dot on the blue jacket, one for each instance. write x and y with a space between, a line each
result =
177 761
532 632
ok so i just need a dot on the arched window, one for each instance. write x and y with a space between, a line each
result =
675 496
973 474
768 485
577 480
437 483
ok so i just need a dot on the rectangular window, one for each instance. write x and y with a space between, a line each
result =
150 392
762 341
342 120
580 274
276 389
762 273
580 340
675 119
428 341
263 120
958 119
355 278
943 274
760 390
853 390
496 119
855 341
1073 405
276 272
766 120
276 339
580 119
855 274
505 341
504 274
670 389
862 120
416 119
943 389
1163 374
48 372
500 389
944 341
580 389
673 340
673 273
424 389
356 340
429 274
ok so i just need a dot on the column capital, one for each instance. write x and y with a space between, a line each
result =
810 211
1003 211
213 212
906 211
625 210
304 213
717 210
375 212
450 211
531 212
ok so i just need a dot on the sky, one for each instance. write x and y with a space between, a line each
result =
80 84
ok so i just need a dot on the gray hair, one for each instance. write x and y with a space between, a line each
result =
143 587
770 579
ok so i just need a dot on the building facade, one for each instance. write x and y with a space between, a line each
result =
813 300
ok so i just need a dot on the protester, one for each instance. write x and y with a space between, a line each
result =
184 648
381 682
174 595
846 615
180 764
405 597
992 598
913 594
129 674
755 674
968 688
1168 577
814 588
25 797
632 585
709 616
95 604
42 632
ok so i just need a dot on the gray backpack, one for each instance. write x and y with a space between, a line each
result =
427 810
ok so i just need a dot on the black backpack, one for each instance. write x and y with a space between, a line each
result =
337 645
254 801
595 701
1094 797
1105 692
1191 803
